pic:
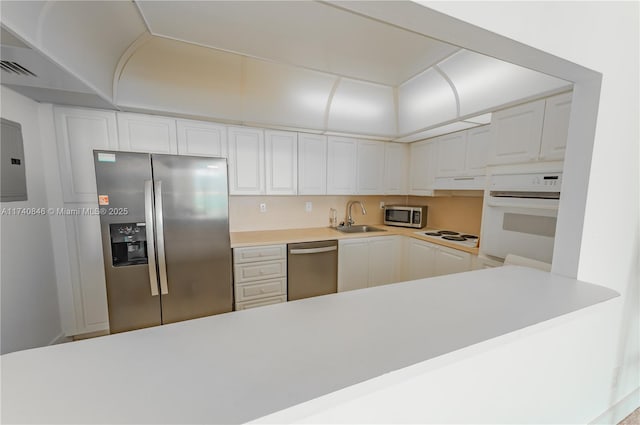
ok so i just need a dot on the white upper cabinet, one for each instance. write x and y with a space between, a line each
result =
246 161
477 150
556 126
370 169
462 159
535 131
147 133
201 138
78 133
516 133
281 162
422 167
341 165
452 152
312 164
396 168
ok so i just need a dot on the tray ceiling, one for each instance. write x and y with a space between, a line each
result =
302 33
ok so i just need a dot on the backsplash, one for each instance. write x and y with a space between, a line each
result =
288 212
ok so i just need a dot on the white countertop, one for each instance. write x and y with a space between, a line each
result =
243 365
284 236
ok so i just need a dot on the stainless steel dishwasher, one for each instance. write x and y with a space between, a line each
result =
312 269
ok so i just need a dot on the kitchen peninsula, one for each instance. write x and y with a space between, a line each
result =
241 366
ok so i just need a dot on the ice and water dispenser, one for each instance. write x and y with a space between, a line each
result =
128 244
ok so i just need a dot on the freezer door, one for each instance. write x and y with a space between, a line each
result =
132 290
192 229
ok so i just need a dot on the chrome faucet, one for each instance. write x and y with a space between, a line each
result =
350 221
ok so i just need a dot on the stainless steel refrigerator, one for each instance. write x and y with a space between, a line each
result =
165 237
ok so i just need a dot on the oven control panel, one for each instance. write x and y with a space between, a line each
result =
534 181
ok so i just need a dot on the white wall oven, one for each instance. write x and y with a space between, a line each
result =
520 215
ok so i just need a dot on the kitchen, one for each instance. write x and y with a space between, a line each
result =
270 207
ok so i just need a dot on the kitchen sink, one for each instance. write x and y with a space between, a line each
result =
363 228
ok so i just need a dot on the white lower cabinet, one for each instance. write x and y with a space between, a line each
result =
353 264
259 276
366 262
480 262
425 259
449 261
260 302
420 261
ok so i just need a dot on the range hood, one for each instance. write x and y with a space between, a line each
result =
299 65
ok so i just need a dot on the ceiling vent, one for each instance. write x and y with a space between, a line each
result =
16 68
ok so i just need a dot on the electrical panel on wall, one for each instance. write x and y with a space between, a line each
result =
14 181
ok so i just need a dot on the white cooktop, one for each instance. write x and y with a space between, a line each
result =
458 238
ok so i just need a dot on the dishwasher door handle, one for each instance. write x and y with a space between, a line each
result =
313 250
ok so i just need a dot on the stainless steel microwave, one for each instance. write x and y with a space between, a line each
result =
405 216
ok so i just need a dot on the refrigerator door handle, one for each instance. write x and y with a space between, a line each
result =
162 264
148 217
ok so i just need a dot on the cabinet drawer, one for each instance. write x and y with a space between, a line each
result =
261 302
261 289
259 253
260 271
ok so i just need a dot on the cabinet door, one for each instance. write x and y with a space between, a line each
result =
87 272
341 166
353 264
420 259
78 133
516 133
452 152
370 168
422 168
384 260
281 162
312 164
556 127
479 262
395 168
477 150
246 161
449 261
201 138
147 133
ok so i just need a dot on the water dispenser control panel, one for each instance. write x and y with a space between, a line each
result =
128 244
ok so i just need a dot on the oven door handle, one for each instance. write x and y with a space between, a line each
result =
535 204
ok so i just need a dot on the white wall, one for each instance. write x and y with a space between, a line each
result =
572 370
602 36
30 316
